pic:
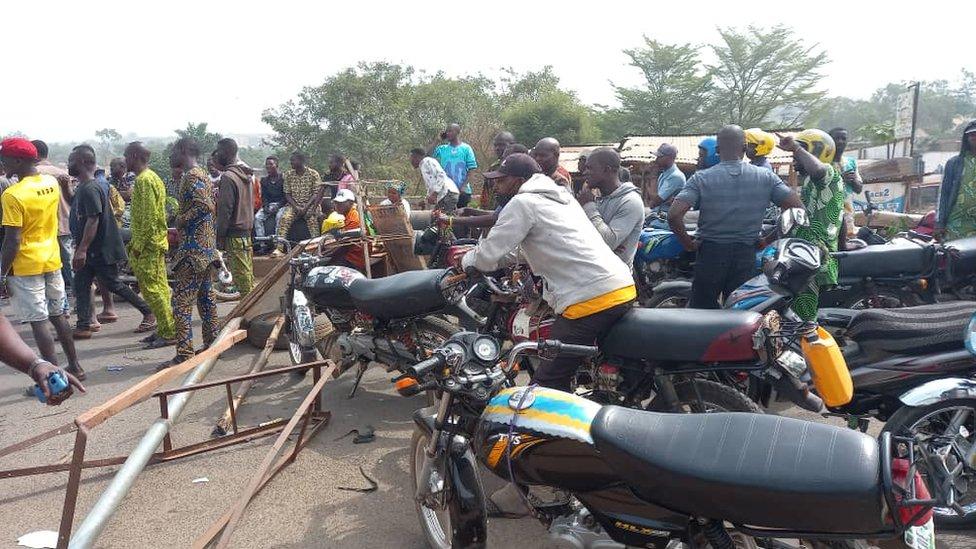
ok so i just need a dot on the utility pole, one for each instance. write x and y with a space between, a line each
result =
911 149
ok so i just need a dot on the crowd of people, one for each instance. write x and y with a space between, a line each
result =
65 230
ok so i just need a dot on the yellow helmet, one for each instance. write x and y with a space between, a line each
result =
763 141
817 143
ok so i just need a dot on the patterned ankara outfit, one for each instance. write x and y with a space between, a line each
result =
302 188
194 261
148 247
824 202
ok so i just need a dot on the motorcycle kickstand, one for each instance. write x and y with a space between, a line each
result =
359 377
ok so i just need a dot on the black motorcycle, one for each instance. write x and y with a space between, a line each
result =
395 320
907 367
598 476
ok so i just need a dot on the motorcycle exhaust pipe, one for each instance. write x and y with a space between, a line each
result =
798 393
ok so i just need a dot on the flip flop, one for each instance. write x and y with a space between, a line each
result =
78 373
158 343
107 318
148 338
145 327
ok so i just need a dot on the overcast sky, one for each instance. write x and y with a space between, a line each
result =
150 67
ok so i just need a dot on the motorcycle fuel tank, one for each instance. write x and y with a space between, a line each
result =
542 436
658 244
329 285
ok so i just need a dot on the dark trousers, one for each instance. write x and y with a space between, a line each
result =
720 268
64 243
559 372
108 277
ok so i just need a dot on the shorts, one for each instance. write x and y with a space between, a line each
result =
37 297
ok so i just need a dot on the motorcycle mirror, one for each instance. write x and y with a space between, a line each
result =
792 218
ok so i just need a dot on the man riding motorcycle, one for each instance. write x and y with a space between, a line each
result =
586 284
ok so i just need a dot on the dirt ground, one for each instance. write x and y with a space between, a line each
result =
303 507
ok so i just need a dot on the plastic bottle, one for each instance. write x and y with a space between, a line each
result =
828 368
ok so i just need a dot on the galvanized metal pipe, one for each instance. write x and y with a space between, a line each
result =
89 530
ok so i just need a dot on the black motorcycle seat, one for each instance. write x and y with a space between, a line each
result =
750 469
899 258
402 295
963 262
683 335
911 330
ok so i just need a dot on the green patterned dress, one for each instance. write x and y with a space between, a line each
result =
962 217
824 202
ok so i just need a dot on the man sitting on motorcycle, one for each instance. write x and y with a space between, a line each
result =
586 284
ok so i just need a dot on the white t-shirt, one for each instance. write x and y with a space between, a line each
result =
436 178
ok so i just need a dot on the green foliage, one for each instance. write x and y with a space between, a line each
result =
942 108
376 112
766 77
558 114
109 145
673 99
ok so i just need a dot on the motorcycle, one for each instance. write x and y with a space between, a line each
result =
624 477
392 320
908 368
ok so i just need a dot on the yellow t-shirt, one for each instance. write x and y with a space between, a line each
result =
601 302
32 205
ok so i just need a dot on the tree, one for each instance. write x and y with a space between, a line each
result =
109 144
558 114
674 97
766 77
207 140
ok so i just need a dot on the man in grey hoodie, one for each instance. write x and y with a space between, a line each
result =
584 282
618 214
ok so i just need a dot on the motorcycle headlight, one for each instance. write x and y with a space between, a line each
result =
486 349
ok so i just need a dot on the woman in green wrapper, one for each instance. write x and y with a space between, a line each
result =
956 216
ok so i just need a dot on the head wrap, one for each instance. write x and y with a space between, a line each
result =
399 186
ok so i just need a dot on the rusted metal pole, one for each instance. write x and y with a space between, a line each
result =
110 499
224 423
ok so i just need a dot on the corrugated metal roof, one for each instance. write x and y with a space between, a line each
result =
569 156
642 148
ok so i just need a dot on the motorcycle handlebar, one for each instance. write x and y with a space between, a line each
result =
559 348
423 367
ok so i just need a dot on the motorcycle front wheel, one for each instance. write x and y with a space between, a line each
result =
439 511
947 427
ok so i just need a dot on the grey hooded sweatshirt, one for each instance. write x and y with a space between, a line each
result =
557 240
619 218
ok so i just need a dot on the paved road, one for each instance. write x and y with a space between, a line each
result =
302 508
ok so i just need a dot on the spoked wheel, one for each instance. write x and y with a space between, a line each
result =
298 353
432 509
948 429
702 396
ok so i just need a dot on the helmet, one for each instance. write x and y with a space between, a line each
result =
763 141
710 144
817 143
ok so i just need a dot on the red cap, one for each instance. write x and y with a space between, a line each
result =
18 147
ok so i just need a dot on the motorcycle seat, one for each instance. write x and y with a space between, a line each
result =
911 330
896 259
750 469
402 295
683 335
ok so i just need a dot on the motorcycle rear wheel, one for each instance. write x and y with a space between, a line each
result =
703 396
932 423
